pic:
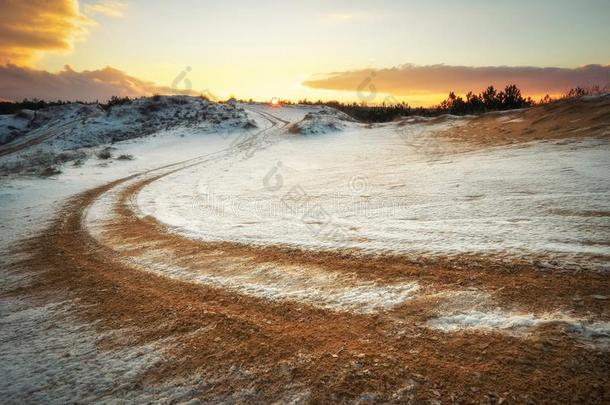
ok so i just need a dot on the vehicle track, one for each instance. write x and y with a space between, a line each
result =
38 136
290 346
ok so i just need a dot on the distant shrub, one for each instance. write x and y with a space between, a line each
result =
125 157
587 91
104 154
250 124
114 100
23 114
50 171
294 129
150 108
11 107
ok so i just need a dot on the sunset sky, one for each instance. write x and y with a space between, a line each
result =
415 51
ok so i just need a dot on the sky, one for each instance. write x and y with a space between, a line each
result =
372 51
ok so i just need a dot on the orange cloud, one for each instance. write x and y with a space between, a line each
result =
33 26
17 83
408 80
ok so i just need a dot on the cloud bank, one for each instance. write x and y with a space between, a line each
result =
33 26
408 80
17 83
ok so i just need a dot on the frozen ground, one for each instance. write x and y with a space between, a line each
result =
388 188
384 190
516 323
48 356
46 353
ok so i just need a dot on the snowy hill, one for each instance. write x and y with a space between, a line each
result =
30 141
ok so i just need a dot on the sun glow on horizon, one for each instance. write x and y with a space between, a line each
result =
152 41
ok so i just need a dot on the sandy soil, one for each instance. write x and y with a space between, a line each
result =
241 346
260 350
565 119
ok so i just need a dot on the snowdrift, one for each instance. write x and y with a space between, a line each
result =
320 122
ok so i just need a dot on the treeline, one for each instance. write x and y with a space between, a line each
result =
12 107
379 113
9 107
488 100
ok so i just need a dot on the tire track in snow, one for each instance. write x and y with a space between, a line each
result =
165 255
111 220
142 242
269 350
34 138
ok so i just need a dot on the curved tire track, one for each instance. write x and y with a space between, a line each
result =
286 346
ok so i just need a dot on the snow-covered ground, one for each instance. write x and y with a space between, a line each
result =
334 184
380 190
31 142
46 353
321 122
